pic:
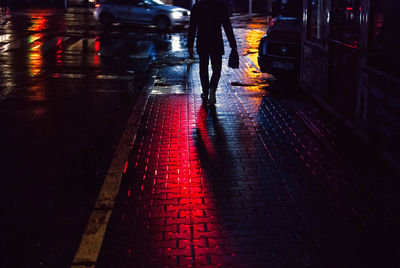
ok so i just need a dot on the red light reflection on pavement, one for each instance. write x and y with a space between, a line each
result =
59 52
176 202
96 56
59 56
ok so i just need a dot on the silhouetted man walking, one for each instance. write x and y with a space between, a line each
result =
206 20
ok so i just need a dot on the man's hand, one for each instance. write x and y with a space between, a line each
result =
191 53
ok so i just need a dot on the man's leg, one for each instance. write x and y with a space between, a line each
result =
216 64
205 84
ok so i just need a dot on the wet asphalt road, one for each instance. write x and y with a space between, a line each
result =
67 87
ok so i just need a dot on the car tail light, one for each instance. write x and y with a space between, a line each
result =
272 23
97 5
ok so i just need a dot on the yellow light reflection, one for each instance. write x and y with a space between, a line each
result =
35 58
253 82
34 37
252 39
39 23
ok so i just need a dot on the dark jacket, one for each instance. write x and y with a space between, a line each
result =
206 20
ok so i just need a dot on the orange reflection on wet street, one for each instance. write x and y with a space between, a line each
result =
35 61
39 23
252 39
253 81
37 94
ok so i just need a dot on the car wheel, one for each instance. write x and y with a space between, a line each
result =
162 22
106 19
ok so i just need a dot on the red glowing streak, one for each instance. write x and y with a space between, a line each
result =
178 176
59 56
96 56
59 41
126 166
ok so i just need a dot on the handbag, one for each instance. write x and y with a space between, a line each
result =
233 61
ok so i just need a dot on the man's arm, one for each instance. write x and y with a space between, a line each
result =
193 24
226 23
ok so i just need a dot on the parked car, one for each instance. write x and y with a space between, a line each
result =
279 49
145 12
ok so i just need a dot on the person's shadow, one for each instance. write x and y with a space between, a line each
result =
217 162
219 170
211 144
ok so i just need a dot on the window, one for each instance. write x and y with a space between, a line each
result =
384 40
346 21
314 20
287 23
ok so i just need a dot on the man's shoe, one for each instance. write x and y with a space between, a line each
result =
204 97
212 99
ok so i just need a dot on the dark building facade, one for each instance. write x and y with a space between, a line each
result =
234 5
350 64
48 3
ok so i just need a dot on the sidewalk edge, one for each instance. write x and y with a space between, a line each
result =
241 16
92 239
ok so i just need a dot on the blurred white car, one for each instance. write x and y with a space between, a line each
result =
145 12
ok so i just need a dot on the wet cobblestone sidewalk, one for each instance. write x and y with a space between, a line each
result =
244 184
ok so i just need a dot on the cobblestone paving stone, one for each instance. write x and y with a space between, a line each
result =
244 184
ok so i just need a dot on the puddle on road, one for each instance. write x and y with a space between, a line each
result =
6 88
114 77
161 83
239 84
173 89
72 76
171 61
251 51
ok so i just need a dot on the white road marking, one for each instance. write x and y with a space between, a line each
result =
82 44
114 77
19 43
93 237
5 38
